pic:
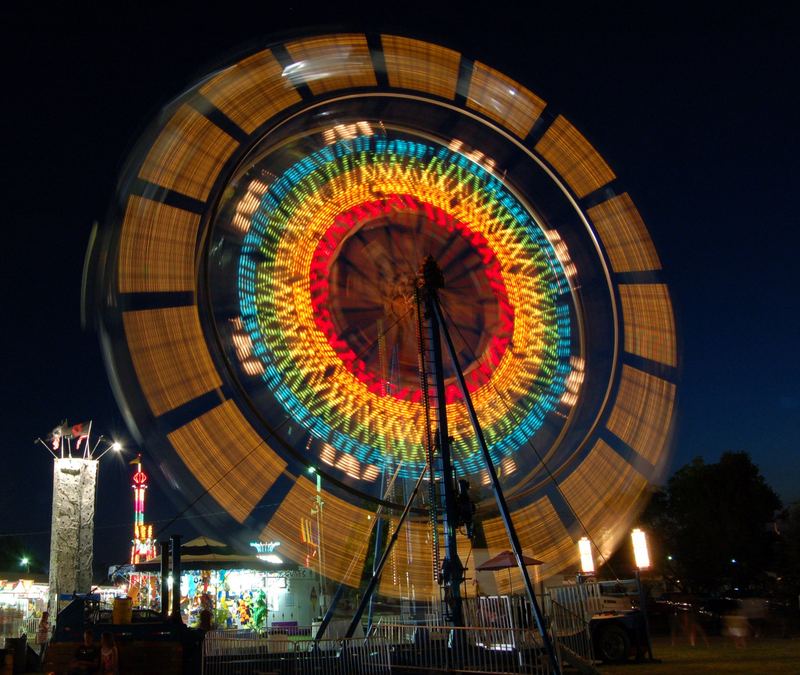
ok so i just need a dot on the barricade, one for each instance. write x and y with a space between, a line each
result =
571 631
30 627
505 642
501 650
585 598
252 653
567 623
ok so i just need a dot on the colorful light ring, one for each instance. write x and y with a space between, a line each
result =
327 389
391 206
187 374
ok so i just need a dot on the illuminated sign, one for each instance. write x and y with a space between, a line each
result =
265 551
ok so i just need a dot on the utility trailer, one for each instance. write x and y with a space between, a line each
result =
617 627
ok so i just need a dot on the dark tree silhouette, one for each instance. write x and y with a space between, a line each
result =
788 559
715 521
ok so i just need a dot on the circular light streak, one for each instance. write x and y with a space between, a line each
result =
296 232
255 297
399 297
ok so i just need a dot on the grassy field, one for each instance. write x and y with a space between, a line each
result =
767 655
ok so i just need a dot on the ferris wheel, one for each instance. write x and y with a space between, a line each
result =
256 295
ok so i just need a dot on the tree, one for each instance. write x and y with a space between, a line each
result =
788 559
715 524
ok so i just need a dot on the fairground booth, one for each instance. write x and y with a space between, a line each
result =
242 590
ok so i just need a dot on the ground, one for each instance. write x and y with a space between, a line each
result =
768 656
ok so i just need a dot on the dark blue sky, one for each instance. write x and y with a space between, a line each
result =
699 123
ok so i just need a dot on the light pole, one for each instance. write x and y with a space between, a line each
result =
642 557
115 446
587 571
26 563
318 503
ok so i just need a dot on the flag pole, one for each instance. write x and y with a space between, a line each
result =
47 447
99 438
86 453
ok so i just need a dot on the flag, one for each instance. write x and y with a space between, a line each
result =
56 435
81 431
65 430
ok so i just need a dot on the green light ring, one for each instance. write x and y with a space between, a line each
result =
345 432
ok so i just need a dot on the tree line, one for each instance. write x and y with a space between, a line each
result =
720 528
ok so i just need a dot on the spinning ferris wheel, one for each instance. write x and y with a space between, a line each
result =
258 316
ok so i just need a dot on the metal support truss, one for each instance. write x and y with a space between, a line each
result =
496 488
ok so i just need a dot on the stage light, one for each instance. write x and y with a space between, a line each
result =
640 552
587 559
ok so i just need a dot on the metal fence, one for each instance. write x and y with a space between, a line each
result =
499 611
17 626
571 631
389 648
568 622
11 626
29 627
585 598
467 650
501 637
250 653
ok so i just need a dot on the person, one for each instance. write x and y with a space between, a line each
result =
205 620
43 631
674 622
693 627
737 626
87 657
109 656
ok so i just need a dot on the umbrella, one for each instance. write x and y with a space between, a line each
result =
505 561
204 553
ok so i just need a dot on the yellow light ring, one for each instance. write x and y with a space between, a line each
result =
287 229
295 254
383 408
157 248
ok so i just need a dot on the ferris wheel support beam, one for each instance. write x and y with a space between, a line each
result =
452 572
505 513
376 575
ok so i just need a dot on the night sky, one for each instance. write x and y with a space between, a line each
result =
699 119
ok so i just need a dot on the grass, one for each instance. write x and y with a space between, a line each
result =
766 655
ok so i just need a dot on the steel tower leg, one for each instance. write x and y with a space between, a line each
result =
329 614
497 489
452 572
376 575
377 550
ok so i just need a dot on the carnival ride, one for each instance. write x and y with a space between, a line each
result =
257 294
